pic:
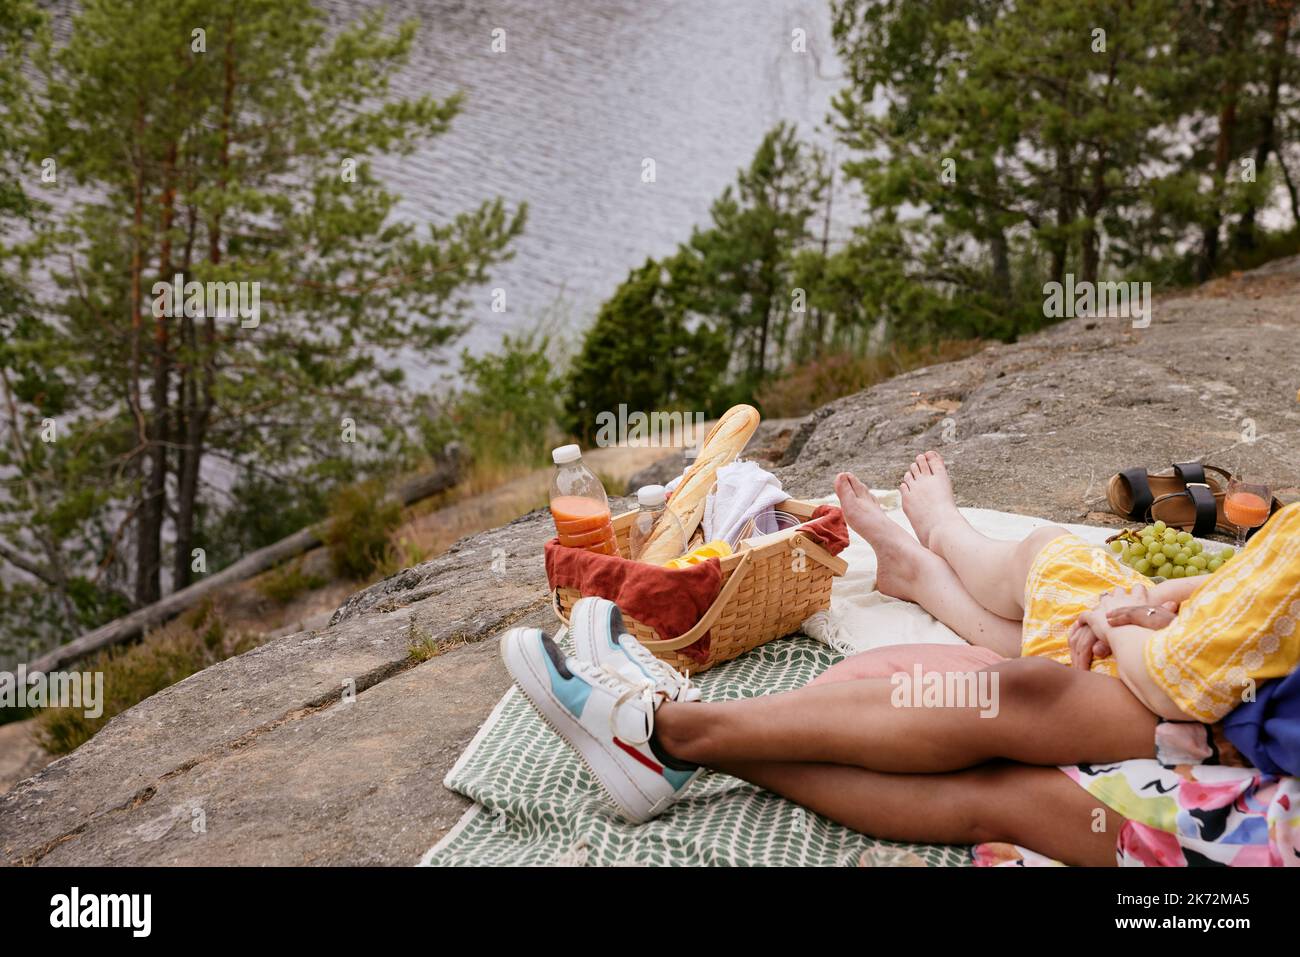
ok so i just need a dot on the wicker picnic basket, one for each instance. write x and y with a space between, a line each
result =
769 586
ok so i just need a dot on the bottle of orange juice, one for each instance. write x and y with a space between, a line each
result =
579 504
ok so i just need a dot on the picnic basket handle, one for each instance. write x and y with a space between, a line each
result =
706 620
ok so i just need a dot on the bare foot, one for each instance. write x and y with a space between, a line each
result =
927 495
900 559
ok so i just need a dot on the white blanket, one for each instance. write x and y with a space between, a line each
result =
860 618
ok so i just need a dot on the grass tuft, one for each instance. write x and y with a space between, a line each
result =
422 646
282 585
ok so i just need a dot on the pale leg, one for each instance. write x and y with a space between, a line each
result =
906 570
993 571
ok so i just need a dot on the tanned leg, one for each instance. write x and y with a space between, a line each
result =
906 570
1037 808
1047 714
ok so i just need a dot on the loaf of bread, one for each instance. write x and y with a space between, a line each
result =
726 440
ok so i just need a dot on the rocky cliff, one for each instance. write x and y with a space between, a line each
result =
328 746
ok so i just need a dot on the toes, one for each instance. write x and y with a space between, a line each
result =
922 465
936 462
854 497
847 485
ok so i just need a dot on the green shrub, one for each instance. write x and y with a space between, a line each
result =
507 413
1268 246
32 620
8 715
282 585
398 555
262 512
360 522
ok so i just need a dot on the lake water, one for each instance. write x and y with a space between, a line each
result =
563 119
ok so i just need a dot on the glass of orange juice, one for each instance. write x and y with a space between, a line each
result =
1246 506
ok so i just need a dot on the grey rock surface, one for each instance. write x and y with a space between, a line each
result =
329 745
1040 426
21 755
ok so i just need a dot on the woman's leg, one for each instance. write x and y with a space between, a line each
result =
1040 712
1037 808
993 571
906 570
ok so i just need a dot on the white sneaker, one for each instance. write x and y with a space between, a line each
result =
600 637
605 718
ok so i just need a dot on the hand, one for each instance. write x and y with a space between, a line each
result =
1154 617
1085 645
1115 598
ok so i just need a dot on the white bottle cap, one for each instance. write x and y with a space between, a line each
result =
566 454
650 495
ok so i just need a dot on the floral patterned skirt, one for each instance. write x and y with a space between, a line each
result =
1196 803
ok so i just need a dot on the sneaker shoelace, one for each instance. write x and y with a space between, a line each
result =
626 691
668 680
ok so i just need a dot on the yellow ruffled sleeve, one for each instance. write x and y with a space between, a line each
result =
1238 629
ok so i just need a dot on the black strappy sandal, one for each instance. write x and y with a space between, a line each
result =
1196 509
1133 492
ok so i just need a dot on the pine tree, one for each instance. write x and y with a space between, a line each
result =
738 271
228 143
44 596
642 351
999 145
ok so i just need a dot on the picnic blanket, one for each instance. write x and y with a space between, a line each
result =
535 803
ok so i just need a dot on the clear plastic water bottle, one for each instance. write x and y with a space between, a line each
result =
579 504
653 512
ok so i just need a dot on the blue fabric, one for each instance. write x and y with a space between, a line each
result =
1267 730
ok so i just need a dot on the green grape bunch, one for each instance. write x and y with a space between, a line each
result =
1159 551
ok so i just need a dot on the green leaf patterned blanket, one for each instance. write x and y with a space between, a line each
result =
536 804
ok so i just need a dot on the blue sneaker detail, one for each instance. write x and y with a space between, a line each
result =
606 718
572 691
679 779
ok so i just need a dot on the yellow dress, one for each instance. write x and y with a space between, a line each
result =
1238 628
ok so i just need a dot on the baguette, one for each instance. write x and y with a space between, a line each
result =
726 440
